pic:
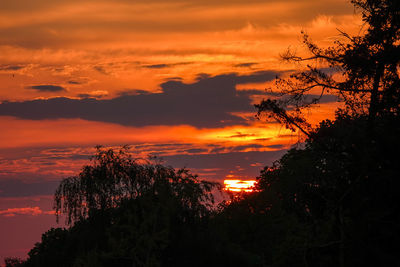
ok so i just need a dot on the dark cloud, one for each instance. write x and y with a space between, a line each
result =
327 98
273 94
202 76
263 139
162 145
196 150
47 88
251 92
100 69
208 102
133 92
10 67
174 79
217 150
92 95
239 135
84 96
157 66
163 66
245 65
74 82
310 98
276 146
244 147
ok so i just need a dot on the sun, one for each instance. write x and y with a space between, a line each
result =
236 185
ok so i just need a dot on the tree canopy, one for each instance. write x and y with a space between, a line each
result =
342 188
114 177
122 212
362 70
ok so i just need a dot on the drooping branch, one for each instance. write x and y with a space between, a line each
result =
279 113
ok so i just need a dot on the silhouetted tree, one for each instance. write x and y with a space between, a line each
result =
53 250
115 177
125 212
13 262
368 67
342 187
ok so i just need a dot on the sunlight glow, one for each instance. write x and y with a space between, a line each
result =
239 185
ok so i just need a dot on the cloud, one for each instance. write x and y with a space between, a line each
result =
159 16
47 88
100 69
244 147
74 82
207 102
196 150
173 79
276 146
157 66
10 67
163 66
133 92
94 94
241 135
245 65
223 163
24 211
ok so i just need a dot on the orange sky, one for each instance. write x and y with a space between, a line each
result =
171 78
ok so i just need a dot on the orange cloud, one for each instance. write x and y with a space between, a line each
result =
70 132
34 211
64 40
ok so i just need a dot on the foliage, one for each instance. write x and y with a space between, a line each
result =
53 250
368 68
13 262
331 203
123 211
342 188
115 177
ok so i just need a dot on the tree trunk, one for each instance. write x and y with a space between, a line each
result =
374 100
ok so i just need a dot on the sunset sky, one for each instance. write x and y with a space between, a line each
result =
176 79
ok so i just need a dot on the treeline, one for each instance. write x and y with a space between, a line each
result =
333 201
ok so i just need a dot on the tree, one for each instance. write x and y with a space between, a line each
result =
368 66
13 262
53 250
342 187
126 212
115 177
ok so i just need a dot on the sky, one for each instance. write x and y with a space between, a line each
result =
176 79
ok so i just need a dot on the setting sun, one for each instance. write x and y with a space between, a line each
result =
239 185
